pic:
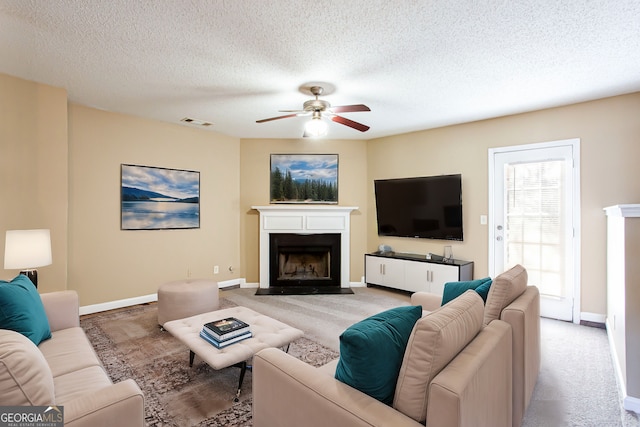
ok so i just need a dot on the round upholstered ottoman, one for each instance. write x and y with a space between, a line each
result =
186 298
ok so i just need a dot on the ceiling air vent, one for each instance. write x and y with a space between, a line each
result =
196 122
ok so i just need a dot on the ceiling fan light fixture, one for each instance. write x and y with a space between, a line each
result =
316 127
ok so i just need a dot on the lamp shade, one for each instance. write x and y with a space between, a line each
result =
26 249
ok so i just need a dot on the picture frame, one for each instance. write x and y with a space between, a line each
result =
304 178
156 198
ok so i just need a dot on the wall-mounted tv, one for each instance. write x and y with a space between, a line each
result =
425 207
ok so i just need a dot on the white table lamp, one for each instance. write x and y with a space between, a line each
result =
27 250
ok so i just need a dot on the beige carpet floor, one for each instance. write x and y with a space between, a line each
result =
322 317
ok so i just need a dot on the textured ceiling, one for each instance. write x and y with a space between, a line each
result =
416 64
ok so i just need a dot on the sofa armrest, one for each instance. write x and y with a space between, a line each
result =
428 301
120 404
290 393
474 389
62 309
523 315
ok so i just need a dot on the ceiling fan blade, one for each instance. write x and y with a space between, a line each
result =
350 123
276 118
350 108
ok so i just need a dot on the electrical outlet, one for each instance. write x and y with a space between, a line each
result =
216 269
483 220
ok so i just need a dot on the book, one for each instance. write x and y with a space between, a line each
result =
222 344
226 328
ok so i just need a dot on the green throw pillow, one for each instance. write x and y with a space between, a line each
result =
371 351
21 309
453 290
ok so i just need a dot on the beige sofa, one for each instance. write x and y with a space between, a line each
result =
511 300
65 371
455 372
469 390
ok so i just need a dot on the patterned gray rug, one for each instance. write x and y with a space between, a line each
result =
131 345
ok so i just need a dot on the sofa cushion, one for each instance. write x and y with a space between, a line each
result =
436 339
21 309
371 351
453 290
79 383
25 377
68 350
505 288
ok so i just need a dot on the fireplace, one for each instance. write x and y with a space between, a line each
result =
322 267
304 259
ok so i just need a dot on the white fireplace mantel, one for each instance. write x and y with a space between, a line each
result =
305 219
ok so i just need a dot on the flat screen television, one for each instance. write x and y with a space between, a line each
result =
424 207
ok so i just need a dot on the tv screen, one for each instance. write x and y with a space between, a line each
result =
424 207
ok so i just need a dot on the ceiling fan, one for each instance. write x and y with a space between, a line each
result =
319 109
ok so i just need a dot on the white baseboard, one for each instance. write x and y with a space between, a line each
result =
593 317
231 283
112 305
128 302
631 404
628 402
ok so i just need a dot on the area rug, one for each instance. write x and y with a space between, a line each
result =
132 345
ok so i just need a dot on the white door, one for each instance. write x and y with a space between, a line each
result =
534 215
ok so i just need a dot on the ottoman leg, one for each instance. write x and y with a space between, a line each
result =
243 370
192 355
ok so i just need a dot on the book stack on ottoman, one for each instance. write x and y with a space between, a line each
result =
224 332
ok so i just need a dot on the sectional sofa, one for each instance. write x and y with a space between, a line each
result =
465 364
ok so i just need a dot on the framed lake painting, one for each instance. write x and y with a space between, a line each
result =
155 198
304 178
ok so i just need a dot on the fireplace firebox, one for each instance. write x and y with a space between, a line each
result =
304 260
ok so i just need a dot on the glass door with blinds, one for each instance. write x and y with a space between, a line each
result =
533 221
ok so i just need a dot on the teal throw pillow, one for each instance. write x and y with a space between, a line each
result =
453 290
371 351
483 289
21 309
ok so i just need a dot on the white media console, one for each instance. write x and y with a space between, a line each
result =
413 272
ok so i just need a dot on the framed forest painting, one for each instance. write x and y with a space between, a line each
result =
153 198
304 178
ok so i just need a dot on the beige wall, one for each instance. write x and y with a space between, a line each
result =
33 169
610 146
56 158
254 180
106 263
